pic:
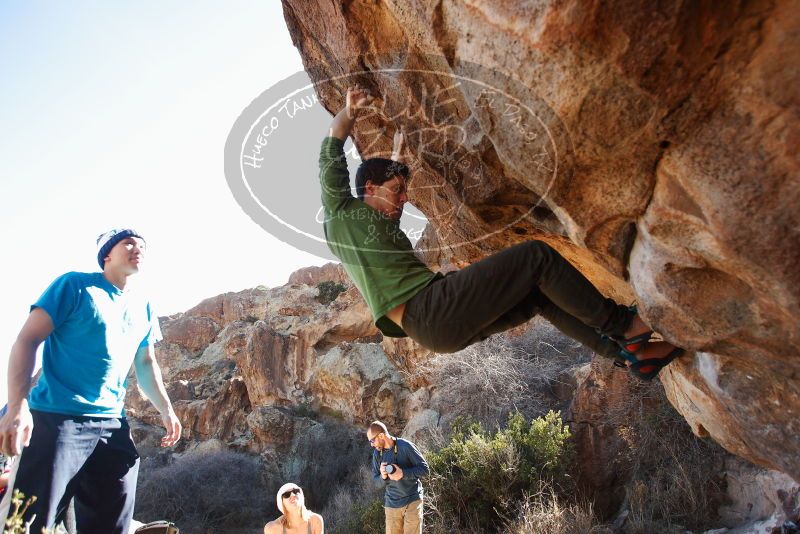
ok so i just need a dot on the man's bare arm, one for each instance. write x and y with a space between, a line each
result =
357 99
16 426
400 148
149 375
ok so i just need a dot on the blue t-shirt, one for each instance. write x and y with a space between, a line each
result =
97 330
408 489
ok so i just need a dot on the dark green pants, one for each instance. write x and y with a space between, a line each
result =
507 289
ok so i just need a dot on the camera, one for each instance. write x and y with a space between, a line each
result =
389 469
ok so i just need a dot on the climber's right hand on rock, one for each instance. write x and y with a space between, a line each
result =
358 98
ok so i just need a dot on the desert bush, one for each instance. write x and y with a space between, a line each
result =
203 492
15 523
328 291
674 481
356 505
544 340
478 476
546 513
504 374
323 456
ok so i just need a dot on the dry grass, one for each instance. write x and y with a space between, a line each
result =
357 488
504 374
323 457
545 513
674 482
349 508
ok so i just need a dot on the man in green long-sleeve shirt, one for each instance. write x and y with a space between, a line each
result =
448 313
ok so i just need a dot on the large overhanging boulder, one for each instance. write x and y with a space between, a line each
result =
659 153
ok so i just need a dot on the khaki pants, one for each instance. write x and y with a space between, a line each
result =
405 520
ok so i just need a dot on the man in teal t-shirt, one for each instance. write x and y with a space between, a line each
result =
71 429
448 313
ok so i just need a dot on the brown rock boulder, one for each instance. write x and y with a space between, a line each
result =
596 414
232 376
311 276
271 426
358 383
221 415
248 305
664 165
272 364
407 355
194 333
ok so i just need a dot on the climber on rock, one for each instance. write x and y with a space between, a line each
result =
446 313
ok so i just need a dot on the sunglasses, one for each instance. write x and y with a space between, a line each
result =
372 441
287 494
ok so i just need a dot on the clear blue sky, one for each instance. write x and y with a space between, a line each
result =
116 114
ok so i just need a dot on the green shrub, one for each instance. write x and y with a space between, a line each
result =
15 524
328 291
364 518
478 477
356 504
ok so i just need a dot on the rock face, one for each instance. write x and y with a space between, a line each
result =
238 366
597 435
759 501
668 173
288 378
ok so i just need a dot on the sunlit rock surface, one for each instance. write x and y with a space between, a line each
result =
283 366
238 366
669 173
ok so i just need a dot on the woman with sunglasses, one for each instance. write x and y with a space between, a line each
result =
296 518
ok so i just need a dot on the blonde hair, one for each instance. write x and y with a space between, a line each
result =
305 513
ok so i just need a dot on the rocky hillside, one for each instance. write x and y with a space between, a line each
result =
243 368
236 363
287 372
656 146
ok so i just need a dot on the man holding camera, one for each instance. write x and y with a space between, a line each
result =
399 463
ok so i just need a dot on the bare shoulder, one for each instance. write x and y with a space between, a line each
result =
316 522
272 527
